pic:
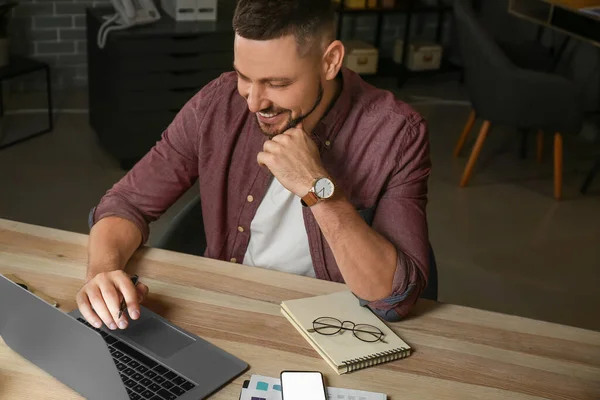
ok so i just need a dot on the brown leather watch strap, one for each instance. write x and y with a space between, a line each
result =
310 199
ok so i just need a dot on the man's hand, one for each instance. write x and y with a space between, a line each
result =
99 300
293 158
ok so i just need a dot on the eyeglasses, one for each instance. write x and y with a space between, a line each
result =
331 326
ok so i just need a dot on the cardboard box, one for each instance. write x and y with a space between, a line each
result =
191 10
422 55
361 57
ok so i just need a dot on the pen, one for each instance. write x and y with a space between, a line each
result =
134 279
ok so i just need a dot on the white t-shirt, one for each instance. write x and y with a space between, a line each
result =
278 238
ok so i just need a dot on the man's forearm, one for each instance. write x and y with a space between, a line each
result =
366 259
112 242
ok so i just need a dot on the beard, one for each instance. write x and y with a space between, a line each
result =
272 130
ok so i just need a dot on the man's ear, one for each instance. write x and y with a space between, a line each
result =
333 59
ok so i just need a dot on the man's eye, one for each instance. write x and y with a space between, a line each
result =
279 86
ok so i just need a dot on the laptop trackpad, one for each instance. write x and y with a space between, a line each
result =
157 337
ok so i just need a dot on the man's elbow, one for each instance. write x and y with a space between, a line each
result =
380 287
390 315
377 292
396 307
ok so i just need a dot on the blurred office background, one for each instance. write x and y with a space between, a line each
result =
503 240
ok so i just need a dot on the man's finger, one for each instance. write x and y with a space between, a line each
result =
272 146
278 141
111 299
83 303
264 159
127 289
142 292
97 302
296 132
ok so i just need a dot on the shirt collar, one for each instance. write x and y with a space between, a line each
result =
328 127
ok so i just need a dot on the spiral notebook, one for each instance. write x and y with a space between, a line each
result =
343 351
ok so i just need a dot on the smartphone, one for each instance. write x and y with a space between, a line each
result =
302 385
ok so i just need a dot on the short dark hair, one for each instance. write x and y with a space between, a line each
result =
272 19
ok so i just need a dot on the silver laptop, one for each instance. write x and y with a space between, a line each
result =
151 359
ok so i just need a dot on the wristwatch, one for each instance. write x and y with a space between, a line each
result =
322 188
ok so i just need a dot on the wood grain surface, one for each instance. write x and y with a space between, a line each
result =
459 352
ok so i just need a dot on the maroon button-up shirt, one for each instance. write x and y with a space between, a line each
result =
374 146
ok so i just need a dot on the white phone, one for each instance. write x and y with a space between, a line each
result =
302 385
128 13
136 12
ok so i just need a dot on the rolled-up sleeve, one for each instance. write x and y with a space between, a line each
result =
162 175
401 218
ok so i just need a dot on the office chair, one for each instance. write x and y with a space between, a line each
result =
431 291
186 235
590 177
502 93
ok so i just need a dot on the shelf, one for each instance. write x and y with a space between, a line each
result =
399 8
445 67
387 67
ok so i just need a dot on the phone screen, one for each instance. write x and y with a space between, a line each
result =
299 385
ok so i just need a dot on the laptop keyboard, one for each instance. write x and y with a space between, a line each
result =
143 377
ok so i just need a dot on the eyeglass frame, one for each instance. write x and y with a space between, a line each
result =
379 334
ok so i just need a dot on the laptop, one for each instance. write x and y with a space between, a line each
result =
151 359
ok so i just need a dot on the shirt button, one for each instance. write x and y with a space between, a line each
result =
233 260
328 143
250 199
240 228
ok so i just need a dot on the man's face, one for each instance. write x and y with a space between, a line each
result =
281 87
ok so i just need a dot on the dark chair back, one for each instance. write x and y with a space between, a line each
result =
505 94
186 232
431 291
486 67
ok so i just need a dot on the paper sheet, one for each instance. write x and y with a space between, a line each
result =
267 388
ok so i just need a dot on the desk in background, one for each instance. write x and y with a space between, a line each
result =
562 15
460 353
19 66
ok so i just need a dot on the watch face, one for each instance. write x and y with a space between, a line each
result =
324 188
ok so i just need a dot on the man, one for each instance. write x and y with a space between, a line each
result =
302 167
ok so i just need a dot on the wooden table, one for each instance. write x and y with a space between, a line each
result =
460 353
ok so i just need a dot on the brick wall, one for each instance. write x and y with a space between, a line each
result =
53 31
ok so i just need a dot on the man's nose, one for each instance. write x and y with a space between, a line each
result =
254 99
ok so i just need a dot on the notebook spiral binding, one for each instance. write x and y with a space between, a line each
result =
377 358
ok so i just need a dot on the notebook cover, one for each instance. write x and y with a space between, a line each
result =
344 347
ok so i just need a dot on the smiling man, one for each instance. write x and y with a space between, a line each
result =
302 168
